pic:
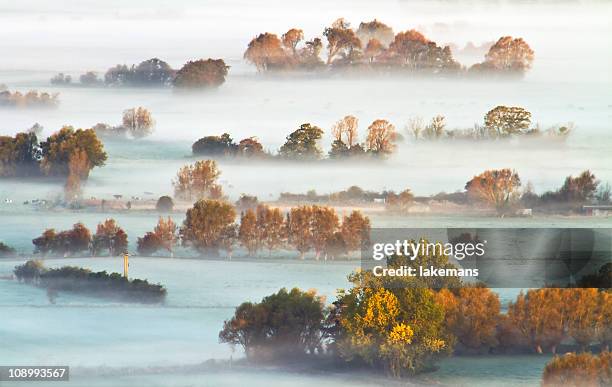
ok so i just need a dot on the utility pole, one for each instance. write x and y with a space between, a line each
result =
126 264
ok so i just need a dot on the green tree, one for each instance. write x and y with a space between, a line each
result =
302 143
287 324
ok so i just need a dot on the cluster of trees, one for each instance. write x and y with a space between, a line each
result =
403 324
500 122
304 228
303 143
500 189
100 284
154 72
109 237
224 146
583 369
68 153
210 226
32 98
374 45
138 122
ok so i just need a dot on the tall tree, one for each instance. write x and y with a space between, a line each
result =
355 230
341 40
410 46
291 39
381 137
248 233
325 223
205 224
266 52
299 229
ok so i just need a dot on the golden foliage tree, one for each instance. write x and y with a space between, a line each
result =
345 130
497 188
472 315
381 137
579 370
247 232
510 54
198 181
205 224
355 230
266 52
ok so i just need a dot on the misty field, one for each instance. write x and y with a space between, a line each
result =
113 343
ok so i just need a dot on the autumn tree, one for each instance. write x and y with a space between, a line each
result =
63 243
299 229
503 121
248 233
302 144
381 137
399 202
583 315
539 316
205 224
324 225
410 47
341 41
510 55
581 188
375 30
355 230
138 121
109 236
270 223
498 188
399 327
373 49
266 52
291 39
251 148
198 181
201 74
345 130
472 315
60 146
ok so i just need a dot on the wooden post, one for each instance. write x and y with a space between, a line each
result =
126 264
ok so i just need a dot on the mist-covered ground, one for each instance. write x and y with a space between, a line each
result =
570 82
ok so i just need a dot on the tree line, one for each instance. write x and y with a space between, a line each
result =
381 137
154 72
31 99
210 226
375 46
405 324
